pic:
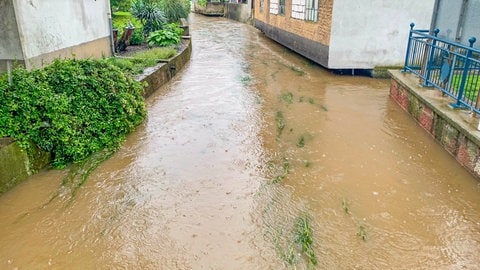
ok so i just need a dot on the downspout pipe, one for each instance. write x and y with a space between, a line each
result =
461 21
110 27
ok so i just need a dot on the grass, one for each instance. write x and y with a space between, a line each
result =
156 53
280 121
345 206
472 85
246 80
297 71
139 61
362 233
301 141
287 97
304 238
285 170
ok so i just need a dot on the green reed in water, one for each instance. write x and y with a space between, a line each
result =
304 237
280 120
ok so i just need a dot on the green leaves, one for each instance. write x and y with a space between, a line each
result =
150 14
71 108
170 35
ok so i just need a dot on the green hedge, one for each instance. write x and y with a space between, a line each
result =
71 108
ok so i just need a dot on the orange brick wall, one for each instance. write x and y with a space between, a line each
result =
317 31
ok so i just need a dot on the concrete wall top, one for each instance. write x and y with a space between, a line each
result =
49 25
10 48
378 29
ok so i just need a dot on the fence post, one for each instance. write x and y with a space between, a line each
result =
409 44
430 57
458 104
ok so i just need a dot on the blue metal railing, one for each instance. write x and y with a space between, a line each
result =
451 67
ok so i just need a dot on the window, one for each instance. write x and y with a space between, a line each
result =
274 6
305 10
261 5
311 10
298 9
281 7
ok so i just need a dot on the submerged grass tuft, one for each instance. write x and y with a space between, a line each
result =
297 70
362 232
301 141
287 97
246 80
345 206
280 120
285 170
304 238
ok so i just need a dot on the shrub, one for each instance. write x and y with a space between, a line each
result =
149 14
174 10
122 5
71 108
170 35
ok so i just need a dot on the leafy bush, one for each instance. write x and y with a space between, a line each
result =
122 5
121 19
174 10
170 35
202 3
149 14
71 108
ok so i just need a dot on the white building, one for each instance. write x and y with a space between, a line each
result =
35 32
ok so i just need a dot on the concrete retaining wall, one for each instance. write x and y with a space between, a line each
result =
238 12
211 9
455 130
16 164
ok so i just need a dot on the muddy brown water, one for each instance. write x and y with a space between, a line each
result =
246 139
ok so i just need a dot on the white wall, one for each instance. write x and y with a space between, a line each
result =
371 33
49 25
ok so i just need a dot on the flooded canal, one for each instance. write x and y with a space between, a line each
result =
254 158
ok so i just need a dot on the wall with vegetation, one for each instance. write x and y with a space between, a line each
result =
49 26
365 34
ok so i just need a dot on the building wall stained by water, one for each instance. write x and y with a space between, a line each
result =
343 34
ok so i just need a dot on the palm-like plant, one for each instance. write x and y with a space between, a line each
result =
150 14
174 10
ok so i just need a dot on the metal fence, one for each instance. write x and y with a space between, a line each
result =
451 67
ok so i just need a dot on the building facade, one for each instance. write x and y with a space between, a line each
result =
457 20
343 34
35 32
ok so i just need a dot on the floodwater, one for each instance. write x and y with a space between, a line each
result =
244 142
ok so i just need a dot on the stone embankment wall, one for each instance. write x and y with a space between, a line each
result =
455 130
16 164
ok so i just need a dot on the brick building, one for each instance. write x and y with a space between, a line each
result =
343 34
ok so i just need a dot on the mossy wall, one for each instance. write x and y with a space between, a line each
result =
16 164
